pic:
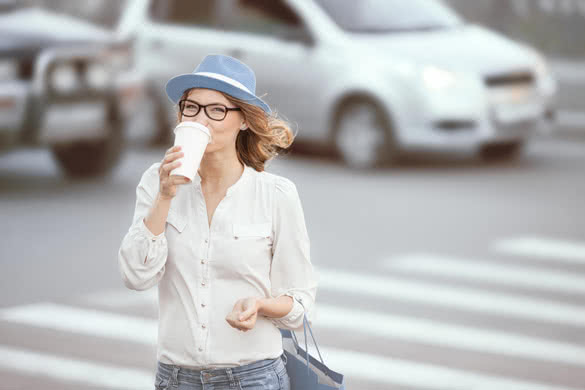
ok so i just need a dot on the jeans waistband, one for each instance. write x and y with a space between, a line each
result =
189 375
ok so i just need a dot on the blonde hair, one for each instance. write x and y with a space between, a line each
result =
266 137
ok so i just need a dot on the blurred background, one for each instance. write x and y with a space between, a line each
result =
439 156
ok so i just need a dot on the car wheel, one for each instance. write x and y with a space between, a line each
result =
88 158
501 150
363 135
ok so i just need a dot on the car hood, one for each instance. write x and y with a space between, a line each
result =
30 30
469 48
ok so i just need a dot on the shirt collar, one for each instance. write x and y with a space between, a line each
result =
245 174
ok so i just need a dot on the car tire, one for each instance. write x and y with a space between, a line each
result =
89 158
501 150
363 135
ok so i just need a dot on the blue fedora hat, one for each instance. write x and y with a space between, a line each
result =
221 73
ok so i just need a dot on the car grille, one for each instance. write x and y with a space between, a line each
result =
525 78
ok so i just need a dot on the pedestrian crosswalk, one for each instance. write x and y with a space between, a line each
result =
463 298
450 284
78 371
502 274
537 248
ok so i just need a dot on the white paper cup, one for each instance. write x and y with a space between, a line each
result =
193 138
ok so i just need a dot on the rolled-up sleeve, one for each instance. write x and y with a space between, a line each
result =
292 272
142 255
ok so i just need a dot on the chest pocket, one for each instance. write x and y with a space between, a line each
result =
247 231
245 253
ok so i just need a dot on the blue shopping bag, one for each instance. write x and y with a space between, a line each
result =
306 372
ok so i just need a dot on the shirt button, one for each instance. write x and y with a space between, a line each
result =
200 349
206 240
203 305
202 261
203 326
203 283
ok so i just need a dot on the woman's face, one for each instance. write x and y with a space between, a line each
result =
223 133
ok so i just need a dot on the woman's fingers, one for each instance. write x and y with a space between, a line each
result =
173 156
167 168
173 149
179 180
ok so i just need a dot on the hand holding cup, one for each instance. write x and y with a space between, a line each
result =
169 183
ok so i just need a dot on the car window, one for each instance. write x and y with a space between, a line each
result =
103 13
184 12
264 17
378 16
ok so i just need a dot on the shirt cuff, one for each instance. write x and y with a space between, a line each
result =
294 318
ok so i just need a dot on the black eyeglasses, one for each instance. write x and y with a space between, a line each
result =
215 111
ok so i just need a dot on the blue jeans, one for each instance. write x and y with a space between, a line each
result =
268 374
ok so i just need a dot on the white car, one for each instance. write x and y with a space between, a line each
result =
371 78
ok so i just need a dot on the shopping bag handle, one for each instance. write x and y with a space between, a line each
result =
296 342
286 333
305 326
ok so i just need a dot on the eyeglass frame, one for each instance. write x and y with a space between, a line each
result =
228 109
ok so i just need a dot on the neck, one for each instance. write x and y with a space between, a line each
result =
218 173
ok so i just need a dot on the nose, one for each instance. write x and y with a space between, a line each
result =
200 118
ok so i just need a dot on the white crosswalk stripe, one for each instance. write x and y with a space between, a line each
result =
537 248
407 373
74 370
83 321
484 271
463 298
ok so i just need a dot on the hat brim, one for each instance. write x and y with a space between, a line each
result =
179 84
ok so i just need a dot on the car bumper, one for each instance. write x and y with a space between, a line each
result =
468 121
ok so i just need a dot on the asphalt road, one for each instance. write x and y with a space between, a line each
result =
438 274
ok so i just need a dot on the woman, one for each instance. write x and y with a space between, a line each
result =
232 265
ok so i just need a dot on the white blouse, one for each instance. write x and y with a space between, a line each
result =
257 246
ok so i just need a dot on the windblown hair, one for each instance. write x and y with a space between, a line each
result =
266 137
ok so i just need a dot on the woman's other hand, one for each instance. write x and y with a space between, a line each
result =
244 314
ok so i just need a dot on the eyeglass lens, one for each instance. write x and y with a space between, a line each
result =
213 111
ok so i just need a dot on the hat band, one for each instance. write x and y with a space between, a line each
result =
223 78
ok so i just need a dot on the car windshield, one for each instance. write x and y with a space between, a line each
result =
376 16
104 13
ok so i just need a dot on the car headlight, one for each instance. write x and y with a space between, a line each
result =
8 70
97 75
546 79
64 78
437 78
